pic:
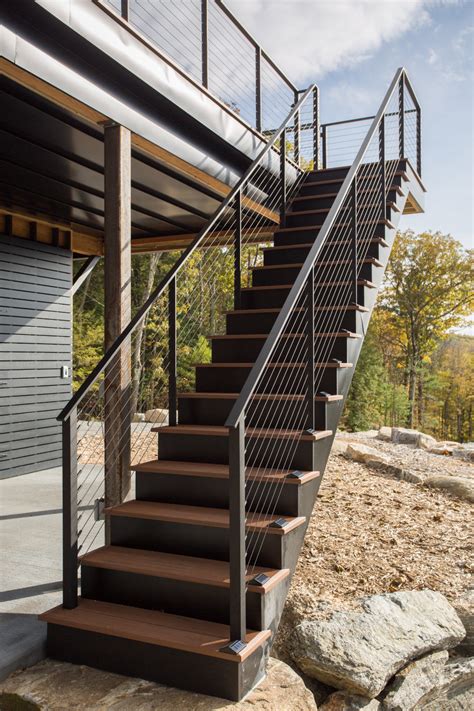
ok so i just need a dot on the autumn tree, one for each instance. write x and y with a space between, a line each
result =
428 291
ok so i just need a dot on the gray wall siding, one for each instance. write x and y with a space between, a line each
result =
35 341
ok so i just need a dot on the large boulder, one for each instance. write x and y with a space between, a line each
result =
364 454
385 434
340 701
459 486
414 681
464 606
454 690
392 471
157 416
57 686
466 453
414 438
359 651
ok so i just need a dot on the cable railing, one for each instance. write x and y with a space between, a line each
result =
205 41
109 425
276 409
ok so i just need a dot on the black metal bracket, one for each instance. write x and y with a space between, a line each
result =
279 523
235 647
259 579
295 474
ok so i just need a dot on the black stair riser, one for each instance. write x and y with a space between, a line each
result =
317 176
292 255
227 380
172 667
215 449
266 277
300 220
247 323
282 413
243 350
195 540
263 298
214 493
321 203
282 239
177 597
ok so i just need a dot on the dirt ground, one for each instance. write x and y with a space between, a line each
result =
370 535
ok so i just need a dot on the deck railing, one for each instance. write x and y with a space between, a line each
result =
278 398
204 40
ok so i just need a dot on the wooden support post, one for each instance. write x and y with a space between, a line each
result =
117 278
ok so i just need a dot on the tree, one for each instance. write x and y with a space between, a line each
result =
428 292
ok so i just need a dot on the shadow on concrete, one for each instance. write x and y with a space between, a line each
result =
48 512
29 591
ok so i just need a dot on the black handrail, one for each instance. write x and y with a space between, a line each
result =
142 312
240 405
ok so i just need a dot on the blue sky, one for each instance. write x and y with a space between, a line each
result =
352 50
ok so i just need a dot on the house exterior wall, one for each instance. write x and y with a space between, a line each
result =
35 343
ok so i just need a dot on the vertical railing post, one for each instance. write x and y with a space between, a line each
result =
238 250
172 349
237 531
296 133
383 188
354 255
324 146
124 9
258 88
310 393
401 116
70 533
418 140
283 178
316 128
204 44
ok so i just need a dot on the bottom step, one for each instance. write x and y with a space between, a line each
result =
168 649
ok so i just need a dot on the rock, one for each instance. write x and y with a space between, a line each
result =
157 416
385 434
414 438
138 417
338 446
391 471
466 453
442 448
342 702
57 686
459 486
359 651
464 606
454 690
414 681
361 453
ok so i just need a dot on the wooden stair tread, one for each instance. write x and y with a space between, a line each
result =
153 627
328 364
222 431
324 262
221 471
385 222
199 516
264 336
308 245
202 571
360 282
257 396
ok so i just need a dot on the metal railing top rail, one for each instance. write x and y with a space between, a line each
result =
144 309
257 371
119 10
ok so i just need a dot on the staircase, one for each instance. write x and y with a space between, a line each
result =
191 585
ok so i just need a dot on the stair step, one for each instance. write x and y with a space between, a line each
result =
221 431
328 364
257 396
273 287
200 515
203 571
323 263
152 627
385 222
264 336
308 245
337 307
221 471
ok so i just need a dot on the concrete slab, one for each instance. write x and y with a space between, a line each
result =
30 564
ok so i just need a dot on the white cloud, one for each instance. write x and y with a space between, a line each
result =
309 38
432 56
